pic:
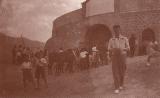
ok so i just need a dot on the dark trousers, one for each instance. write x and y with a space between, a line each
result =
70 66
132 51
59 67
84 63
118 68
27 76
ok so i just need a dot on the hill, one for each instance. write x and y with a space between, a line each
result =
7 43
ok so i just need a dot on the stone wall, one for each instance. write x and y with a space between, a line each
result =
95 7
69 18
71 29
68 31
139 5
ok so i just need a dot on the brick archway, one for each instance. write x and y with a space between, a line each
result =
148 35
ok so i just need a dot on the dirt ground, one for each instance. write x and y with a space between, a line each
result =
141 81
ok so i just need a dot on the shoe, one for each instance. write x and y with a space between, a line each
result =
148 64
116 91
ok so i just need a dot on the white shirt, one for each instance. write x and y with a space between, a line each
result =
83 54
120 43
43 62
26 65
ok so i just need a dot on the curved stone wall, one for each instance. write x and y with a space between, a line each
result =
72 17
68 31
70 28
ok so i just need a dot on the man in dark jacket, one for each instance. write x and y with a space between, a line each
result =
132 44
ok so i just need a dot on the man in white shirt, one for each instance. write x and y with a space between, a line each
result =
118 47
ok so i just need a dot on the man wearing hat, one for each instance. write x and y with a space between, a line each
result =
94 56
118 47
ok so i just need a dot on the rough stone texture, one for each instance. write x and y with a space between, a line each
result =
71 28
100 7
139 5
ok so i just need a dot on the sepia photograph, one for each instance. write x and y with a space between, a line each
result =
79 48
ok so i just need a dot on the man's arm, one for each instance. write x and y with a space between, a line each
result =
127 47
110 45
109 49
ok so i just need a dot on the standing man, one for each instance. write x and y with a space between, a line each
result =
132 43
118 47
60 63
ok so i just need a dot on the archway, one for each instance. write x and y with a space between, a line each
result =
147 35
99 35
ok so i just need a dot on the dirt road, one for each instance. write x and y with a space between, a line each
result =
141 81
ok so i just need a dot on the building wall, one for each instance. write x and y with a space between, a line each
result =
71 28
69 18
95 7
68 31
133 22
139 5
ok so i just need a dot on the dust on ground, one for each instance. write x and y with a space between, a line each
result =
141 81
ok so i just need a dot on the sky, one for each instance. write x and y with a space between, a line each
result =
33 18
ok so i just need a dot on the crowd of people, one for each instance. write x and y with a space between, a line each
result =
35 65
32 64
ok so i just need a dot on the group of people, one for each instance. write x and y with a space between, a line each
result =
76 59
18 53
35 64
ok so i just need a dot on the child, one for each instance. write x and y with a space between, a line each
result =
27 71
84 59
40 71
95 58
152 51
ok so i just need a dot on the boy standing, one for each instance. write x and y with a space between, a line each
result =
27 72
40 71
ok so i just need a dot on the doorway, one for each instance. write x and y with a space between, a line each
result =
98 35
147 35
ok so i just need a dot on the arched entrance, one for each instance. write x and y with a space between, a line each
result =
147 35
99 35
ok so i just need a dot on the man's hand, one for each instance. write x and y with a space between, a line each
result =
108 57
